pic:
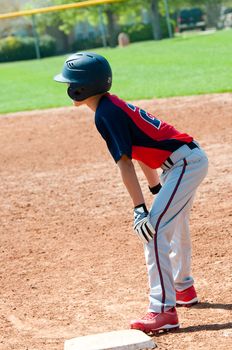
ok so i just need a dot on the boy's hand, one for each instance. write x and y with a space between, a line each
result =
142 226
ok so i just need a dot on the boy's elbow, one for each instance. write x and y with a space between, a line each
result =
124 158
125 161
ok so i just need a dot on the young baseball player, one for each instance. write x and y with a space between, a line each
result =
130 134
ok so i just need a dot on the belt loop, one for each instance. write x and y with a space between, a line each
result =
164 163
169 161
192 145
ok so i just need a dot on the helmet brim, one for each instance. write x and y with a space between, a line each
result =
61 79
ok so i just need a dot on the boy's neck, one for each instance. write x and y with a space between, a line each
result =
92 102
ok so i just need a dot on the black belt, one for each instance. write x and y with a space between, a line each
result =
191 145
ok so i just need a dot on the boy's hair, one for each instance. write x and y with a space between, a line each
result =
87 74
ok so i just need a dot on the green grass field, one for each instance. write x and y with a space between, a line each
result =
186 65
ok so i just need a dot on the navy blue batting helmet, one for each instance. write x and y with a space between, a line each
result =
87 74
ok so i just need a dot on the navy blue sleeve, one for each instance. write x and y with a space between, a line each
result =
114 128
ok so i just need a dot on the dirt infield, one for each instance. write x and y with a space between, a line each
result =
70 264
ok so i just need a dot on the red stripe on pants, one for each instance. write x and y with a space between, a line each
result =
156 230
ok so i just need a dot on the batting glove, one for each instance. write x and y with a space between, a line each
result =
142 226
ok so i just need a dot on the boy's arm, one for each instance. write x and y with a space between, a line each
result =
142 226
151 174
152 178
130 180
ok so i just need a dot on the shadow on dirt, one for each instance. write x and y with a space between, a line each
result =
213 306
198 328
205 327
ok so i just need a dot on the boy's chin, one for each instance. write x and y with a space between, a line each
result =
77 103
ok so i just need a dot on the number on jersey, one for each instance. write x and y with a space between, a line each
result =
146 116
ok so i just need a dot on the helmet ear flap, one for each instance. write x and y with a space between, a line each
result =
75 93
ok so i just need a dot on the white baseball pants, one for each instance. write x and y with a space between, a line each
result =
168 256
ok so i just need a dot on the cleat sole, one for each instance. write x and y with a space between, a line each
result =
163 331
170 328
187 304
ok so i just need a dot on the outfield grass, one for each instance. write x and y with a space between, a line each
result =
187 65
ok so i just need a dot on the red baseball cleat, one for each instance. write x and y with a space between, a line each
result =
187 297
154 322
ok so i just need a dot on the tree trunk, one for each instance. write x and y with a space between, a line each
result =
213 9
111 28
155 19
62 39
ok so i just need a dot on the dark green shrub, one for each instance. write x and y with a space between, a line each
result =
142 32
86 44
47 46
164 28
15 48
23 48
138 32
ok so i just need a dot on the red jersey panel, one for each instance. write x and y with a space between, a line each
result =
129 130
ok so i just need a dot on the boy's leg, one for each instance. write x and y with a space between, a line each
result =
162 292
161 312
180 254
179 186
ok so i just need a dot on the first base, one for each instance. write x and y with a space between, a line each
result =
120 340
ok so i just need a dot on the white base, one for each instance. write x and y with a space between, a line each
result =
120 340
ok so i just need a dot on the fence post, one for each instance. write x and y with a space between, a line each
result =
36 37
168 19
102 26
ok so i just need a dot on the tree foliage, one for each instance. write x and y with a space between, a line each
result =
125 12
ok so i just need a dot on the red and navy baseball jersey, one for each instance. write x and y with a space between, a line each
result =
131 131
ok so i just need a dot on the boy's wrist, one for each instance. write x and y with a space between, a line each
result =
142 206
155 189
